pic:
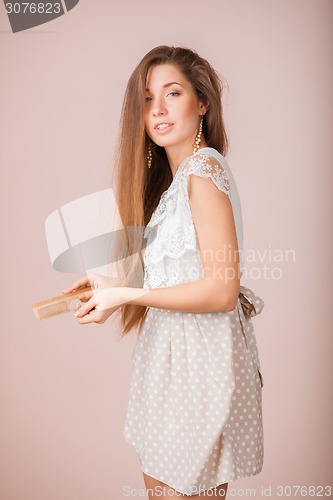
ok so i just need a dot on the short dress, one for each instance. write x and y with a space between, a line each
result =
194 412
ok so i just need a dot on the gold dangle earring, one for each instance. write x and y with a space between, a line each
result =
197 141
149 156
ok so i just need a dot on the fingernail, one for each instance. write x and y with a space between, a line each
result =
78 313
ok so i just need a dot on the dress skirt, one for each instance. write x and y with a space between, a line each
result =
194 412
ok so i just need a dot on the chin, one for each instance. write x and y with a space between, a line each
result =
161 143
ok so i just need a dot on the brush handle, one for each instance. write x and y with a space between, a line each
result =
65 296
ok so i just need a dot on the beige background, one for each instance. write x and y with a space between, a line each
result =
64 386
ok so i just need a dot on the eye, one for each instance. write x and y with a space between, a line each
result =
147 99
173 93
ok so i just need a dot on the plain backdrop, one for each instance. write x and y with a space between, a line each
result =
64 386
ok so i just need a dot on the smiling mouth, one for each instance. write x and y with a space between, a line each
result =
163 126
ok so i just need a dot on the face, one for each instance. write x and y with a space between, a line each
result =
172 109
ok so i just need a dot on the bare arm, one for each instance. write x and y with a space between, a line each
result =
198 296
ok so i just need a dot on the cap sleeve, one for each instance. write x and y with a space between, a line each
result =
208 166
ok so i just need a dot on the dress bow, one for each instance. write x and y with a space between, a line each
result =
251 303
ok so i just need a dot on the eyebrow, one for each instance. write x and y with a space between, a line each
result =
168 85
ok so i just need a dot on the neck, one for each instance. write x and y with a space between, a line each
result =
177 154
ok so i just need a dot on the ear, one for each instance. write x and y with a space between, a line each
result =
203 105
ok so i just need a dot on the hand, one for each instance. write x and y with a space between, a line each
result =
97 282
100 304
94 316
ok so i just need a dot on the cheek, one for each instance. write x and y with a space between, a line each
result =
146 122
147 117
190 114
190 119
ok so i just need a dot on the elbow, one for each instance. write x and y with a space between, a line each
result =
230 304
226 305
227 301
222 298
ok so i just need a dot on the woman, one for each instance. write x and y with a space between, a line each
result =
195 410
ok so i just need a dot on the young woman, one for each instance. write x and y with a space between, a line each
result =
195 404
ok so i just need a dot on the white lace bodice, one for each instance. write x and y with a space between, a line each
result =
172 255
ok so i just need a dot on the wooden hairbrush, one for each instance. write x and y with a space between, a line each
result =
57 305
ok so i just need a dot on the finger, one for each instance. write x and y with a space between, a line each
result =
86 308
81 283
92 317
85 296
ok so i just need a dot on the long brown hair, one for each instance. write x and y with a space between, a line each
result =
138 188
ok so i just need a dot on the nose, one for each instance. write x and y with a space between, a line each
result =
158 107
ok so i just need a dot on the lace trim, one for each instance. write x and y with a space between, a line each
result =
172 240
208 167
166 205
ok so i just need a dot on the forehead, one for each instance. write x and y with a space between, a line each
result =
162 74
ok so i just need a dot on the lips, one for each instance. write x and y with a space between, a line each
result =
162 126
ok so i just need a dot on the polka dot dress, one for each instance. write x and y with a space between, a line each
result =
194 412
